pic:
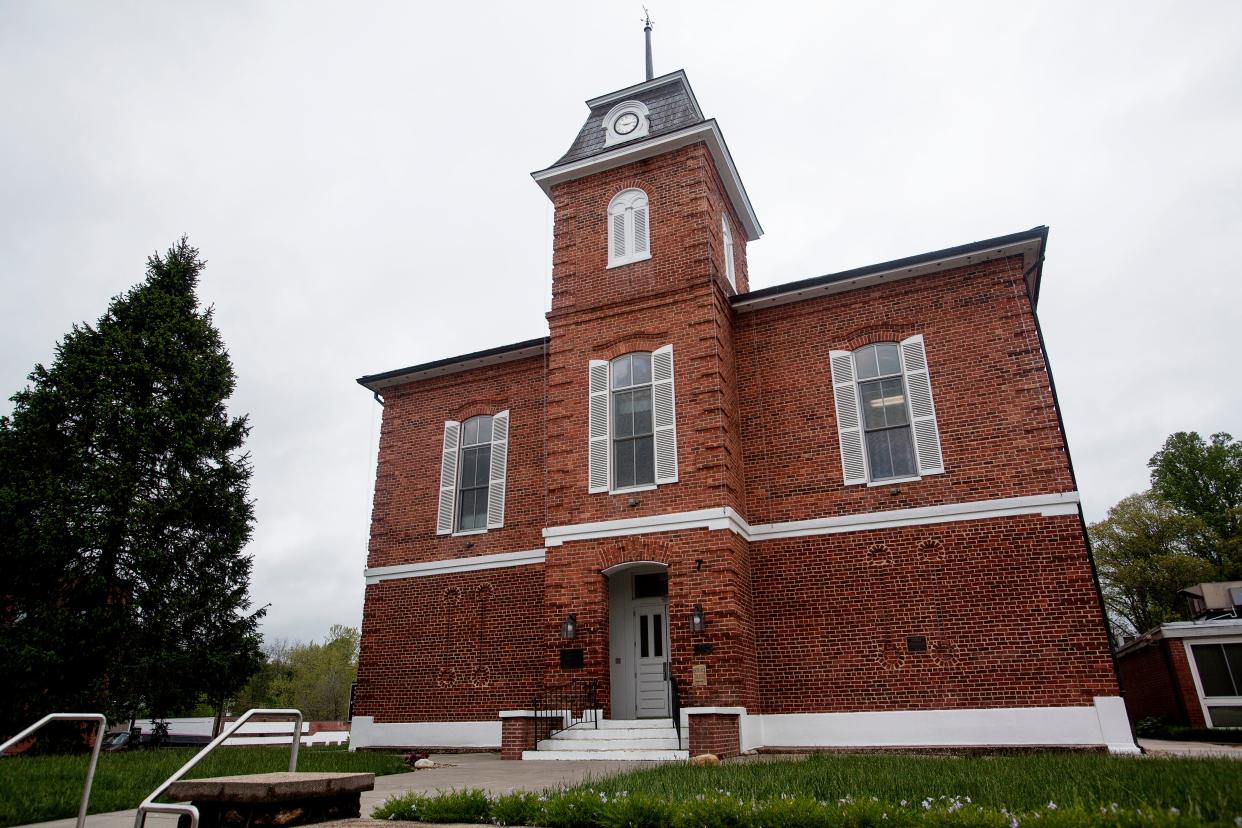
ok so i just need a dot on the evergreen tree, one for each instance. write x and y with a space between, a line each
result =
124 512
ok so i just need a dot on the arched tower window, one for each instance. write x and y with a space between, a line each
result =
629 230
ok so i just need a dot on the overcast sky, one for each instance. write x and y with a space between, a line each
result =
357 176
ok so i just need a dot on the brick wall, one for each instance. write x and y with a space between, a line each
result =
994 408
720 584
407 481
1186 682
1007 607
715 733
455 647
1150 680
677 297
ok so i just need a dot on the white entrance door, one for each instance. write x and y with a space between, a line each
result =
650 658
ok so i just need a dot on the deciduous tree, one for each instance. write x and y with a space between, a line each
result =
1144 558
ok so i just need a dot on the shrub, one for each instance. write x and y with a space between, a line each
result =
518 808
573 809
637 811
453 806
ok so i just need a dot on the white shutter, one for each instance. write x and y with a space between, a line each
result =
641 242
496 476
617 230
849 423
664 411
598 433
728 251
922 409
448 478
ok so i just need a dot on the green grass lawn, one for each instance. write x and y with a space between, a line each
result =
40 788
1017 782
1048 790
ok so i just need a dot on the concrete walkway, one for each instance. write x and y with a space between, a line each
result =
461 770
1161 747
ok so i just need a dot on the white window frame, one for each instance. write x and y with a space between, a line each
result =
862 415
730 269
448 507
613 488
626 205
1215 701
921 413
601 475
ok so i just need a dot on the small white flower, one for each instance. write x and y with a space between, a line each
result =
903 803
1013 822
1052 806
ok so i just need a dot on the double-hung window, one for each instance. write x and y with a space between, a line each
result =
886 420
633 435
629 229
885 415
631 421
474 473
473 470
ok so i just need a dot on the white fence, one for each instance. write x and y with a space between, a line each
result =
251 733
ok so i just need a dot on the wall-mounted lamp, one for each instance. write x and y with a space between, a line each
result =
696 619
569 627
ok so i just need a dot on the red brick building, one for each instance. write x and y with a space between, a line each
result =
1189 673
836 512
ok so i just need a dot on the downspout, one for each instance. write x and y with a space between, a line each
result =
378 398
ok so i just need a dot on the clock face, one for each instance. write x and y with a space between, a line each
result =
626 124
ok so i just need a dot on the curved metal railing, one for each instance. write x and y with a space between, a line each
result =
149 805
90 770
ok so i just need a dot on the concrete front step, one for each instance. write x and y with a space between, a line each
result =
591 734
626 724
579 745
651 740
616 755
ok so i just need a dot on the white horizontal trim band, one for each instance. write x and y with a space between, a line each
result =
708 132
375 575
1063 503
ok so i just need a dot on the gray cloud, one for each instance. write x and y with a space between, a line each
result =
357 177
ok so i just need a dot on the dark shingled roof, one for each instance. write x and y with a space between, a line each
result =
669 101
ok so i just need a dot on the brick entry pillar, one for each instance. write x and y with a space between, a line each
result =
518 732
714 732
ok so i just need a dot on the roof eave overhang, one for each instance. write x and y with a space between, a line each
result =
379 383
1030 245
1185 629
707 132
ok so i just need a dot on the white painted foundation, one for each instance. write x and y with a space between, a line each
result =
366 732
1102 724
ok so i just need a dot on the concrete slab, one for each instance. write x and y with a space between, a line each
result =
266 787
1164 747
489 772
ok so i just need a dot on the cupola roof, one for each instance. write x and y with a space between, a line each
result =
674 120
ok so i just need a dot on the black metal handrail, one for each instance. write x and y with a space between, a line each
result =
674 697
564 706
